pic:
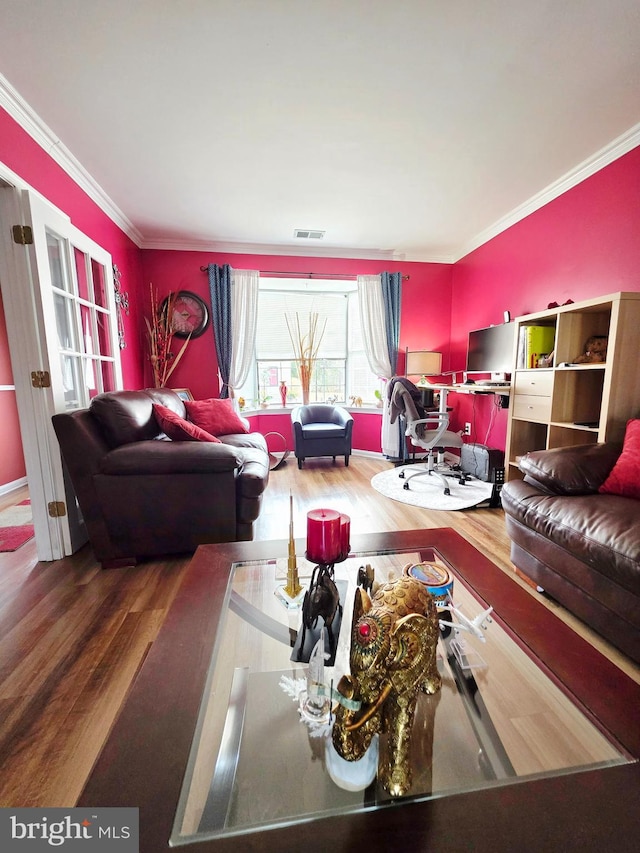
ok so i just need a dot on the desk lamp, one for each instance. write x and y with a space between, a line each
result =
423 363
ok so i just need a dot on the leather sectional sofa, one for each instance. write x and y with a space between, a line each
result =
582 546
142 494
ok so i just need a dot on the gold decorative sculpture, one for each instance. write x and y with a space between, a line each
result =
293 588
394 637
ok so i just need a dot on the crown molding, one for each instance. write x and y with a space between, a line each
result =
178 244
42 134
617 148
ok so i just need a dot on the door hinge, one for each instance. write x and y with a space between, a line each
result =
57 509
23 235
40 379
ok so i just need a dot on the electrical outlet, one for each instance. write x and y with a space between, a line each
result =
467 428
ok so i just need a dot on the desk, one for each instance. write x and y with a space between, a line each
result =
463 388
427 389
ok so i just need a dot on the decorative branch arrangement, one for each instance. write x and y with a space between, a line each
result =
160 339
305 349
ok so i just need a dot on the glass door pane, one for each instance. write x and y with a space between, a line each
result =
81 274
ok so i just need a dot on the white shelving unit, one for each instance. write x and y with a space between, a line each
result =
570 404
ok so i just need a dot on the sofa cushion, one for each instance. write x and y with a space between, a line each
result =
252 439
126 416
323 430
217 417
573 470
601 530
179 429
156 458
624 478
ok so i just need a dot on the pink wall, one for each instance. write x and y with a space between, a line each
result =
12 465
581 245
426 300
27 159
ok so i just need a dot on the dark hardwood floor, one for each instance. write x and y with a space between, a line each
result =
72 636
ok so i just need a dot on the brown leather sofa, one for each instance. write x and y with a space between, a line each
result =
142 494
582 547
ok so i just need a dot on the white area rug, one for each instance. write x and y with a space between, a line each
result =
427 491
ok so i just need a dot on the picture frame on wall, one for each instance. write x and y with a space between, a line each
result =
183 393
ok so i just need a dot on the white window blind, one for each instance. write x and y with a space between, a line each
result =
273 340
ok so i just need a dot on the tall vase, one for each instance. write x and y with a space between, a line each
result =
283 393
305 381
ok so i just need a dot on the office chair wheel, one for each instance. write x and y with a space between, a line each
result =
406 486
447 491
401 475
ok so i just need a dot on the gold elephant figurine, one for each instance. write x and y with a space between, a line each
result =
394 637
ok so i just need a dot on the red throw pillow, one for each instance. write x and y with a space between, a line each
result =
216 416
624 478
177 428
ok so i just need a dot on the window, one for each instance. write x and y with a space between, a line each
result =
341 370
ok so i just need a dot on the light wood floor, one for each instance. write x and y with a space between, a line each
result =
72 636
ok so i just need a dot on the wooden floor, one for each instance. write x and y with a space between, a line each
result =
72 636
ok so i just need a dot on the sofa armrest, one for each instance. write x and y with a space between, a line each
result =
171 457
578 470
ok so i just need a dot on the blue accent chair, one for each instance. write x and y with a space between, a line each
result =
321 430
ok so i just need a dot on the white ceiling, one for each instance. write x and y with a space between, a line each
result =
404 128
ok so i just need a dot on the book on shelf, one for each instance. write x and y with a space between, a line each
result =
533 343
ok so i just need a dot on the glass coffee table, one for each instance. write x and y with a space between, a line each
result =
210 744
256 762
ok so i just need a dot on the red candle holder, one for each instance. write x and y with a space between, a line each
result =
345 536
324 537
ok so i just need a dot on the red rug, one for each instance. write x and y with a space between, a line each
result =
15 526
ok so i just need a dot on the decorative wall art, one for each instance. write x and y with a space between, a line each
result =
122 305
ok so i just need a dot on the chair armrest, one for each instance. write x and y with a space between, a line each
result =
578 470
427 438
344 418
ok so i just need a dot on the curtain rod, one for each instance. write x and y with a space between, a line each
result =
309 274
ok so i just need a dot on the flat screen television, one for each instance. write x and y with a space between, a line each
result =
490 350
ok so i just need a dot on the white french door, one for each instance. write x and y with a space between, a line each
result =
58 294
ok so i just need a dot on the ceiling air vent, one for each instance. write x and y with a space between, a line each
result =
306 234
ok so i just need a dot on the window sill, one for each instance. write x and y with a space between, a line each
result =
283 410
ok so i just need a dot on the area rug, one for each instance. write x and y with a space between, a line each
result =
15 526
428 492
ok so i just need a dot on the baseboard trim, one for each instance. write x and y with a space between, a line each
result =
11 487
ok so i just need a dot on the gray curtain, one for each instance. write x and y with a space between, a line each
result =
220 291
392 293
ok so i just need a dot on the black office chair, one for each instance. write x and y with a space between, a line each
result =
321 430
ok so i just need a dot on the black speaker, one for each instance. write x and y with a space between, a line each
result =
481 461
